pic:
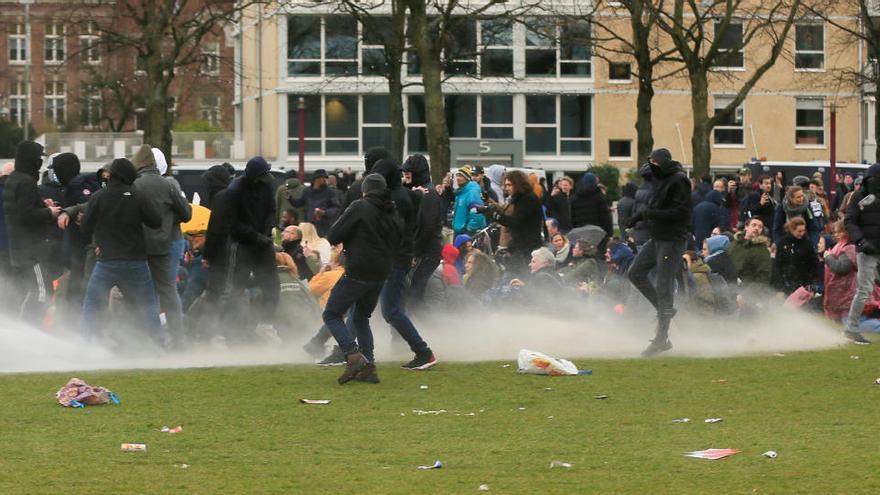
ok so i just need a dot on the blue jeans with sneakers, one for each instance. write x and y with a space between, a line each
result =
134 280
362 296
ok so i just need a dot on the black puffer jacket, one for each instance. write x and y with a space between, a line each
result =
250 201
403 201
27 218
863 222
116 216
524 223
217 237
216 178
431 213
645 193
588 207
559 207
670 208
370 229
795 265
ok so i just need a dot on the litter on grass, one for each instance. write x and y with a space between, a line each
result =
437 465
770 454
778 354
505 366
176 429
318 402
183 466
77 393
134 447
419 412
713 420
682 420
712 454
483 488
719 381
877 381
424 387
561 464
601 396
536 363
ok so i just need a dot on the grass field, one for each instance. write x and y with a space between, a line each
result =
245 432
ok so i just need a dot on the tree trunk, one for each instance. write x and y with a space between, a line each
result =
644 127
157 131
700 148
876 117
396 51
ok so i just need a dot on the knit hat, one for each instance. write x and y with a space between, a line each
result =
373 184
467 172
801 180
29 157
460 239
661 156
717 243
873 170
589 180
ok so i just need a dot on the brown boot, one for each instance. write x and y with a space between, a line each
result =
354 363
368 374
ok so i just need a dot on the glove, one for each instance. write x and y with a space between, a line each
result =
633 220
866 247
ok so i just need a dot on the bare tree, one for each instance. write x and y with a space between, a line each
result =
709 34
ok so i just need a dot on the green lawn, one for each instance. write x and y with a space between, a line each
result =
245 432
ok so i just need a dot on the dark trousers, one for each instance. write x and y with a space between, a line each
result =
31 290
665 256
362 295
420 275
391 300
242 261
166 290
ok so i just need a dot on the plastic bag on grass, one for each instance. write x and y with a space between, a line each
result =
78 393
536 363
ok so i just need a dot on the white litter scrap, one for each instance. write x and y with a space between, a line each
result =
537 363
770 454
713 420
561 464
682 420
419 412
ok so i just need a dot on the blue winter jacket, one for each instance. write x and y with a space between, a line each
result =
466 220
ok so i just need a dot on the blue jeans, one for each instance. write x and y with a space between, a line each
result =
363 296
392 308
133 279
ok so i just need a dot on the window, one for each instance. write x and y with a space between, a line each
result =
620 149
18 102
209 109
376 128
91 108
322 46
53 46
496 117
557 50
311 127
809 122
55 96
496 48
730 46
416 134
460 52
809 46
375 34
211 59
558 125
18 44
88 45
619 72
461 115
729 131
335 125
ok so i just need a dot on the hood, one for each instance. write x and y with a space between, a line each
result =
460 239
390 170
621 254
470 186
122 170
588 185
143 158
29 158
495 173
66 167
714 197
449 253
418 166
372 156
740 237
646 172
629 190
256 168
216 179
159 158
381 200
666 169
717 243
293 183
699 267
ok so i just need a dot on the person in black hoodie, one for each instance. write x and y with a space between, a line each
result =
28 219
250 206
217 178
214 252
392 297
116 217
670 214
372 156
524 222
429 224
588 207
370 230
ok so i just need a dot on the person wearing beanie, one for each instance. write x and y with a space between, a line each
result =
250 209
28 219
370 230
466 219
116 217
862 223
371 157
320 202
163 244
590 207
670 214
428 240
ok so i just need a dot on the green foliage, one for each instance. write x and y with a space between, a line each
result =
10 135
632 175
196 126
245 432
609 176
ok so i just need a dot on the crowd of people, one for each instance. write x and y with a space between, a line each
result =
274 261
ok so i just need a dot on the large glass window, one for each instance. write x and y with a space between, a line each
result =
88 44
730 46
341 125
496 48
304 46
461 115
557 48
210 59
460 52
558 125
375 34
810 122
53 44
18 44
209 109
416 135
809 46
55 95
91 108
377 121
729 131
496 117
312 124
18 102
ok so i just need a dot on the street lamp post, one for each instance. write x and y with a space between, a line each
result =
301 116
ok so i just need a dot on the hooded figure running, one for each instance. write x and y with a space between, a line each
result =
670 214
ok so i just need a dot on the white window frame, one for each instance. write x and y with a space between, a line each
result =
413 125
364 46
724 51
474 57
481 50
481 124
810 52
18 45
88 44
209 112
810 101
55 97
368 125
92 108
54 44
620 81
19 102
322 60
614 158
210 59
556 44
558 126
738 113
